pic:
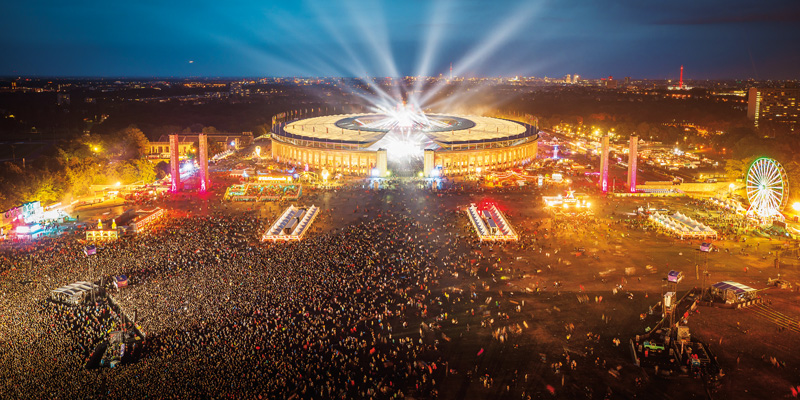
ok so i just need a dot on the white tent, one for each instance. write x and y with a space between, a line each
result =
73 293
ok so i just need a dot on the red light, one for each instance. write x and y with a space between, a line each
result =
486 204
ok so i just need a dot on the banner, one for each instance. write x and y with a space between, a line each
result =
120 281
90 250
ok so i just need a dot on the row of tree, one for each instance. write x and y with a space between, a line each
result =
71 168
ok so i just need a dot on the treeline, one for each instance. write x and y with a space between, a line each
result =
69 169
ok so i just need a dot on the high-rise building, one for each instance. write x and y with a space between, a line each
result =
774 109
576 78
568 78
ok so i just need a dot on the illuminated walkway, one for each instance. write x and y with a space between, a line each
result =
292 225
490 224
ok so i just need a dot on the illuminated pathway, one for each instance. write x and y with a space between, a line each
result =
292 225
490 224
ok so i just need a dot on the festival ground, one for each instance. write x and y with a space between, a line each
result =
533 319
744 351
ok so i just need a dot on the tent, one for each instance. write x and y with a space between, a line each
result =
73 293
733 291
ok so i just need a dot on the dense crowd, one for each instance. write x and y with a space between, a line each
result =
390 296
337 316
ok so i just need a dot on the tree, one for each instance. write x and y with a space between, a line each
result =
127 172
162 169
162 130
261 130
736 168
129 143
147 172
47 190
215 148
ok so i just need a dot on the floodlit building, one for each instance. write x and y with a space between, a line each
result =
361 144
774 108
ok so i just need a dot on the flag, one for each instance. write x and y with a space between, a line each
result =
90 250
121 281
705 247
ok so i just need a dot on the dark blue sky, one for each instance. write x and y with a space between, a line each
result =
638 38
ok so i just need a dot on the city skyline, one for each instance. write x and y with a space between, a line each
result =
713 40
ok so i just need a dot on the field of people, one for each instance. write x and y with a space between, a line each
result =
391 296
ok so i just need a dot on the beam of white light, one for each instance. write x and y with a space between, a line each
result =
368 21
371 22
488 46
333 29
438 14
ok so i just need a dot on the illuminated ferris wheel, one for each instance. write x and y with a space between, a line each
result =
767 188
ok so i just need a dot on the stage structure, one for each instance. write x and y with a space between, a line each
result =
633 154
361 144
571 200
203 161
174 164
490 224
292 225
604 164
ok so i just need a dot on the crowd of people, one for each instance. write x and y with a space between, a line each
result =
332 317
392 298
351 313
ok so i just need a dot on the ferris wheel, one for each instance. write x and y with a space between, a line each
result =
767 188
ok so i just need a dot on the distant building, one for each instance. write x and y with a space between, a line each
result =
568 78
160 149
774 108
237 90
62 99
235 141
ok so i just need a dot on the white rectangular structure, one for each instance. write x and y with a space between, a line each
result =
633 154
604 164
381 163
490 224
174 164
427 167
203 161
292 224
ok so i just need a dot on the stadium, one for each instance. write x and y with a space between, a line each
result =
403 142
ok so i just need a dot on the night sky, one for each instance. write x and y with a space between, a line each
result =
642 39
